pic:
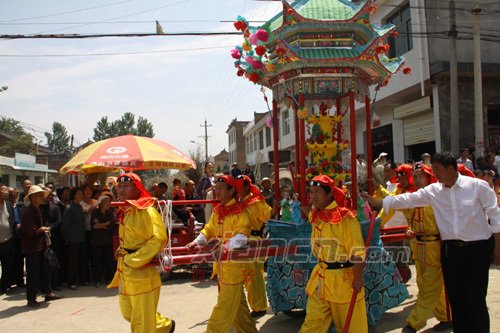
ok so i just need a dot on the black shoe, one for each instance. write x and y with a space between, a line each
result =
172 330
442 326
52 297
257 314
33 304
408 329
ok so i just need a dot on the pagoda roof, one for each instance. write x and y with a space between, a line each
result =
321 10
322 34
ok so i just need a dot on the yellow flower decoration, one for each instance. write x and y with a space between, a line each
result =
246 47
270 67
302 113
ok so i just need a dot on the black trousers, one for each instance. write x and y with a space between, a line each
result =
36 275
7 262
78 263
103 262
465 272
18 274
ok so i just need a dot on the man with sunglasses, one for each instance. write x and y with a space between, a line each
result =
468 218
396 218
425 242
337 242
142 237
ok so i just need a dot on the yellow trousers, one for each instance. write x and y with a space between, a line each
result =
140 311
320 313
431 296
256 289
231 311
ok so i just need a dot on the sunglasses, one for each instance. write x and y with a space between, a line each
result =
401 173
314 183
124 179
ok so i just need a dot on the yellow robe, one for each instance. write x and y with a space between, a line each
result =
330 290
427 255
231 309
142 230
381 193
259 212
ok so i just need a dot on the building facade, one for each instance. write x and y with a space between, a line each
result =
236 145
412 114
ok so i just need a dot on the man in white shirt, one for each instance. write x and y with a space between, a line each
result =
467 215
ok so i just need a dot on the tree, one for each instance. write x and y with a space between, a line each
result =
145 128
102 130
123 126
198 157
58 140
20 141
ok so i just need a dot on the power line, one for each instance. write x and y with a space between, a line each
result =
82 36
123 16
67 12
113 53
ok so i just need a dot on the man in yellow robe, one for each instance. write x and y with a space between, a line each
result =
142 236
337 242
230 226
425 242
259 212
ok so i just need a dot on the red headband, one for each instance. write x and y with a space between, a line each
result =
464 171
136 180
426 169
408 173
338 194
240 181
228 180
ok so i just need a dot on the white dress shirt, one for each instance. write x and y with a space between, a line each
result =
462 211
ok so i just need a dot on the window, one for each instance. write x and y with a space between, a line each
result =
286 122
404 42
268 136
261 139
4 179
255 137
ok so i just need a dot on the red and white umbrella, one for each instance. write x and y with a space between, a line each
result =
127 152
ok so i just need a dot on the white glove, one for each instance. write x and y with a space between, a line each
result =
201 239
238 241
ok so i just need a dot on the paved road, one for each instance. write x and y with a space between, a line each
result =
189 302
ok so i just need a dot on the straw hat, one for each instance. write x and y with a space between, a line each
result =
265 179
35 189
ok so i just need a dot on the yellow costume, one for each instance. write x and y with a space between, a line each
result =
142 236
259 212
384 217
336 237
427 255
231 309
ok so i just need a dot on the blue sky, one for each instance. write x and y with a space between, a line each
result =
175 90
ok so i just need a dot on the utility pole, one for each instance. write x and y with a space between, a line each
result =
454 114
205 137
478 86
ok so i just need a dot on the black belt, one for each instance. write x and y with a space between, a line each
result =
461 243
129 251
430 238
338 265
256 233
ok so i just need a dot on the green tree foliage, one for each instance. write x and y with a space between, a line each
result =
102 130
19 140
123 126
58 140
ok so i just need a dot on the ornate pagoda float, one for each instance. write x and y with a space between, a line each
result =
320 57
